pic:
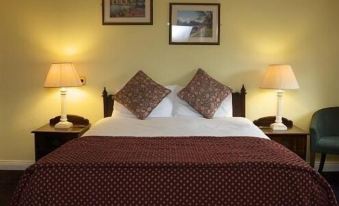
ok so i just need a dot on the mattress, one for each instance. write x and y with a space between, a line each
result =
176 126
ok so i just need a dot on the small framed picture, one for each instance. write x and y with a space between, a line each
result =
194 24
127 12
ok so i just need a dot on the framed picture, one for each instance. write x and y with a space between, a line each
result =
127 12
194 24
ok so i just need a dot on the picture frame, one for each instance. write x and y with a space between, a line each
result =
127 12
194 24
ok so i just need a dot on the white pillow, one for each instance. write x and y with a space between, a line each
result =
226 108
164 108
183 109
120 111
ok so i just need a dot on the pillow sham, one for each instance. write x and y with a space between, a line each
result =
183 109
204 94
226 108
164 108
141 95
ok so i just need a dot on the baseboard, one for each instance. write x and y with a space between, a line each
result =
24 164
329 166
15 164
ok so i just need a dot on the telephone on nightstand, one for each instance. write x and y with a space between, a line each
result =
265 122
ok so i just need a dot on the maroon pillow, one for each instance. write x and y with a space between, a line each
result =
204 94
141 95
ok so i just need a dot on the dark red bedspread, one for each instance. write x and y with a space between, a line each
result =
172 171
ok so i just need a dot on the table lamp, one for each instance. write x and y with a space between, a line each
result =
279 77
63 75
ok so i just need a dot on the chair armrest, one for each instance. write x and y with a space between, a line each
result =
315 128
314 137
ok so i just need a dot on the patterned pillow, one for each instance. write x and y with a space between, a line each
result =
141 95
204 94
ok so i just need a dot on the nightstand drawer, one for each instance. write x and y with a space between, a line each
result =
45 143
294 139
296 143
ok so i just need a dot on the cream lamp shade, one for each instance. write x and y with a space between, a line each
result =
62 75
279 76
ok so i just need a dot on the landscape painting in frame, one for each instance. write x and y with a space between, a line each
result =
127 12
194 24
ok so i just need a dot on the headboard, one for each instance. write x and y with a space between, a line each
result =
239 103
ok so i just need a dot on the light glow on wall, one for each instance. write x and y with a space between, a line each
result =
70 51
272 48
76 95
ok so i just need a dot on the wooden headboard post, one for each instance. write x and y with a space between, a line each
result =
238 100
239 103
108 103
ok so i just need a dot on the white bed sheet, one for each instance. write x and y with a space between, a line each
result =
175 126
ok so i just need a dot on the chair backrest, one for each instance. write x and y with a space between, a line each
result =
326 121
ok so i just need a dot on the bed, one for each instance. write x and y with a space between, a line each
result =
173 161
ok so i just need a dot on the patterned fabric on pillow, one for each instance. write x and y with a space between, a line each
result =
164 108
141 95
204 94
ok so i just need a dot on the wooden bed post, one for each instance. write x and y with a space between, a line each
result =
108 103
239 103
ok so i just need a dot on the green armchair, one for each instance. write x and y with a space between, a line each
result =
324 132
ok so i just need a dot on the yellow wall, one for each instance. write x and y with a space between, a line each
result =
254 33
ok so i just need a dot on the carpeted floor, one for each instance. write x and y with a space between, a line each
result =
333 179
9 180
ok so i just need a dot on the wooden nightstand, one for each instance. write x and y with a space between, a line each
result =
47 138
294 138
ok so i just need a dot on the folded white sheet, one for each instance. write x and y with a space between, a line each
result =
175 126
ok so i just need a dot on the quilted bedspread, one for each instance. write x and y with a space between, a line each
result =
167 171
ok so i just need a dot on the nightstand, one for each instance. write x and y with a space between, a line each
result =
294 138
47 138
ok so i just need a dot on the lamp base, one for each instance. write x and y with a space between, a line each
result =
63 125
278 126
